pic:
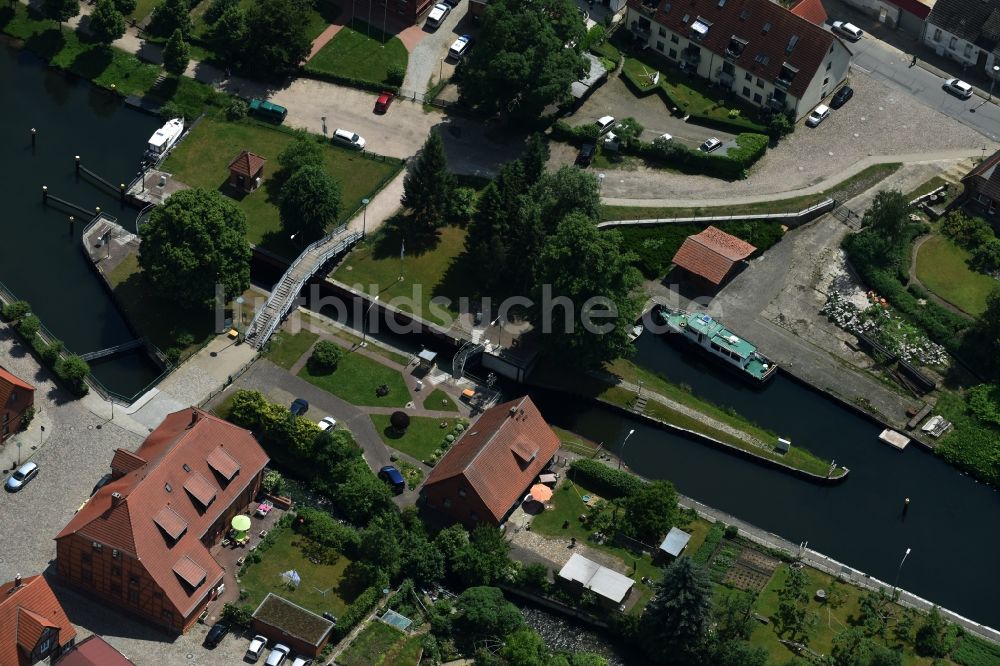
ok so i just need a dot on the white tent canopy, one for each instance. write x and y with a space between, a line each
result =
291 577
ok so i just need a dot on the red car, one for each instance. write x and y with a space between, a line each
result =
383 102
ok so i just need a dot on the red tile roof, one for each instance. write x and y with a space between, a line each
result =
25 611
93 651
10 383
200 488
712 253
124 462
810 10
134 523
247 164
500 454
223 463
767 27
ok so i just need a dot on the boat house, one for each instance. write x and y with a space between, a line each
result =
246 172
712 254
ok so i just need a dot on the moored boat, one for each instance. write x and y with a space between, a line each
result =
719 342
164 139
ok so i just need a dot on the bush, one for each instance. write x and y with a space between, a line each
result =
237 109
399 421
171 110
237 616
273 483
50 353
712 539
600 478
74 371
319 526
562 131
732 532
395 74
27 416
15 310
732 166
325 357
357 611
361 84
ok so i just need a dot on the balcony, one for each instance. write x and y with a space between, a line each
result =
782 83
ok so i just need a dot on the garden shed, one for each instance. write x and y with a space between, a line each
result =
278 619
246 171
612 588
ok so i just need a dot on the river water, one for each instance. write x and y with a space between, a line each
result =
42 261
951 525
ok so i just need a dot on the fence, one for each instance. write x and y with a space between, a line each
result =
800 217
229 381
846 215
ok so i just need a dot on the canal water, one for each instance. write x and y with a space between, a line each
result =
951 525
42 261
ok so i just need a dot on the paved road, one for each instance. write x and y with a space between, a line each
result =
426 57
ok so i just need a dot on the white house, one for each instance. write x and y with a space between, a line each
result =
967 31
756 48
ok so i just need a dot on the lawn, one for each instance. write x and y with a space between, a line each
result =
202 160
356 379
440 401
844 190
323 586
159 319
353 54
575 443
943 268
144 8
420 440
430 268
285 349
405 653
372 645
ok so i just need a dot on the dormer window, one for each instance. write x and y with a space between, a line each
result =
793 40
687 17
722 3
736 46
767 27
762 59
744 15
700 28
786 76
666 8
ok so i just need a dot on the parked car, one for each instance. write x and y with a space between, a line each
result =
267 110
216 634
384 100
330 616
438 14
840 97
391 475
349 139
586 154
604 124
459 47
664 137
849 30
302 661
818 115
958 88
453 3
327 422
257 646
21 476
299 407
278 654
710 144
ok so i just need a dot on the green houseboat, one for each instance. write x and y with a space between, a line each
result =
719 342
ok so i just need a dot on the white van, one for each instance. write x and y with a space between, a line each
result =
849 30
818 115
439 13
459 47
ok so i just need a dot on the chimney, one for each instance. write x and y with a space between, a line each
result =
194 418
513 412
116 499
17 581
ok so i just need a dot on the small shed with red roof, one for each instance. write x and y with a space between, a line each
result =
246 171
489 470
16 396
33 626
712 254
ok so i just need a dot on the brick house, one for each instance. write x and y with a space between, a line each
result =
16 396
33 626
142 541
488 471
981 189
712 254
966 31
246 172
755 49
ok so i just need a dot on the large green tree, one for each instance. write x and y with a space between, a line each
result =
126 7
675 623
277 35
229 35
887 217
526 59
650 512
193 242
793 618
483 612
309 201
593 271
525 647
60 10
106 22
176 54
170 15
428 188
485 559
536 156
302 151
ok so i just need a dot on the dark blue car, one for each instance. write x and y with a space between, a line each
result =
392 476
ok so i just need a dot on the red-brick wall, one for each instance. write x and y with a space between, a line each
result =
10 413
446 497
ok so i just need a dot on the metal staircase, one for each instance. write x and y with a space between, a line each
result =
467 350
283 296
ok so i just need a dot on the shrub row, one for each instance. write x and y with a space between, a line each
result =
322 75
71 370
319 526
356 612
712 539
737 124
611 483
642 89
606 50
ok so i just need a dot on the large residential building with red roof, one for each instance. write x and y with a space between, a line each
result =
757 49
490 468
142 542
16 396
33 626
711 254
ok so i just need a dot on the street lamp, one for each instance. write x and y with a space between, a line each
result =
899 569
364 216
993 80
500 332
600 182
364 322
621 451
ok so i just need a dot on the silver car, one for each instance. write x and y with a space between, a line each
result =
349 139
278 654
21 476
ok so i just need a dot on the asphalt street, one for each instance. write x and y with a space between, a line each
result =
887 64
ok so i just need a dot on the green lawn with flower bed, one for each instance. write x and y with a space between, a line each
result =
422 438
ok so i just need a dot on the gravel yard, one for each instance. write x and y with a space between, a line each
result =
878 121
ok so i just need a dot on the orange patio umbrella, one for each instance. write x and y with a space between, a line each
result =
541 492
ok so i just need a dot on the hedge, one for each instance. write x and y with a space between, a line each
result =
642 90
362 84
738 124
607 50
600 478
357 611
712 539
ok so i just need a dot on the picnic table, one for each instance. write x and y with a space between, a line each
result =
264 508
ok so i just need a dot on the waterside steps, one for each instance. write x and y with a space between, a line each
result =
111 351
284 294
